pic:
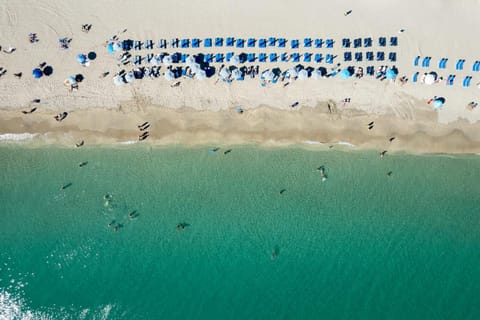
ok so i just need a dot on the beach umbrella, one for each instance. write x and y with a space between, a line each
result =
195 67
438 103
345 74
190 61
292 73
268 75
429 79
156 60
81 58
71 80
237 74
110 47
37 73
118 80
200 75
235 60
169 75
167 60
129 77
118 46
302 74
224 73
317 74
391 74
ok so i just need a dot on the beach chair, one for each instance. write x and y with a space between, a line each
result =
162 44
218 42
262 43
307 42
380 56
149 44
415 77
347 56
228 56
329 43
307 57
251 42
369 56
273 57
357 43
450 80
415 61
476 66
318 57
358 56
251 57
208 58
282 42
382 41
426 62
184 57
294 44
195 43
392 56
284 57
137 60
137 45
367 42
229 42
240 43
459 65
262 57
185 43
174 42
295 57
466 81
329 58
442 64
207 42
219 58
345 43
271 41
370 71
318 43
393 41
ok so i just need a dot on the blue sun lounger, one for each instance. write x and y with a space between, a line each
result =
318 43
347 56
426 62
357 43
450 80
284 57
459 65
415 77
271 41
392 56
240 43
273 57
282 42
218 42
307 42
369 56
207 42
184 57
382 41
442 64
370 70
208 58
262 43
251 57
358 56
219 57
329 58
476 66
228 56
149 44
345 43
307 57
294 44
415 61
295 57
229 42
380 56
393 41
251 42
329 43
195 43
318 57
262 57
185 43
367 42
466 81
176 57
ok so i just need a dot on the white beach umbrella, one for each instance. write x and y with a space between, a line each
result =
118 80
268 75
302 74
157 59
235 60
429 79
200 75
118 46
169 75
190 61
195 67
236 74
224 73
292 73
167 60
317 74
129 77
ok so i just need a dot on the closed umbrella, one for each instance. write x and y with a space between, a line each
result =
302 74
169 75
37 73
81 58
200 75
345 74
129 77
237 74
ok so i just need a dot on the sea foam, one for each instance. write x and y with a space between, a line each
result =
17 136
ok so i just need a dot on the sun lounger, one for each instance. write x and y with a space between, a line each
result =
329 58
137 45
149 44
442 64
393 41
207 42
284 57
162 44
176 57
380 56
262 57
295 57
174 42
459 65
426 62
415 77
392 56
357 43
318 43
476 66
195 43
273 57
262 43
219 58
369 56
251 42
329 43
184 57
149 58
240 43
382 41
307 42
271 41
450 80
228 56
466 81
415 61
345 43
307 57
282 42
318 57
208 58
251 57
358 56
229 42
347 56
370 70
137 60
294 44
367 42
218 42
185 43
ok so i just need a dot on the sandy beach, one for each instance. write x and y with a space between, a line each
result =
204 111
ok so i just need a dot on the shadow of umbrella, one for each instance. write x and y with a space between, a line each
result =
79 77
48 70
92 55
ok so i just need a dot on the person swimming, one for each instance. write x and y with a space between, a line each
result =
323 174
132 214
382 154
83 164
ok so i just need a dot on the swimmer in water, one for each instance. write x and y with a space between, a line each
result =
382 154
107 196
111 223
133 214
323 174
83 164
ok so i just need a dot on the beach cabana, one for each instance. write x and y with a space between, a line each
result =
37 73
345 74
169 75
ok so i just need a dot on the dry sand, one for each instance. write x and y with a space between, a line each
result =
199 112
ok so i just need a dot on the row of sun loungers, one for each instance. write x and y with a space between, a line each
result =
449 81
442 64
369 56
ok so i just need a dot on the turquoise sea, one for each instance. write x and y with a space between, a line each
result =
360 245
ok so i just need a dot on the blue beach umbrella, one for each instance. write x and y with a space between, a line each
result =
391 74
110 48
438 103
345 74
37 73
81 58
72 80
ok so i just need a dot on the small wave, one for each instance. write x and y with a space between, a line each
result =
128 142
312 142
17 136
345 143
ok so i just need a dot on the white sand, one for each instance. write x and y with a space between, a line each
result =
436 28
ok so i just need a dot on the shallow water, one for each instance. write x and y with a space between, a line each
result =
359 245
